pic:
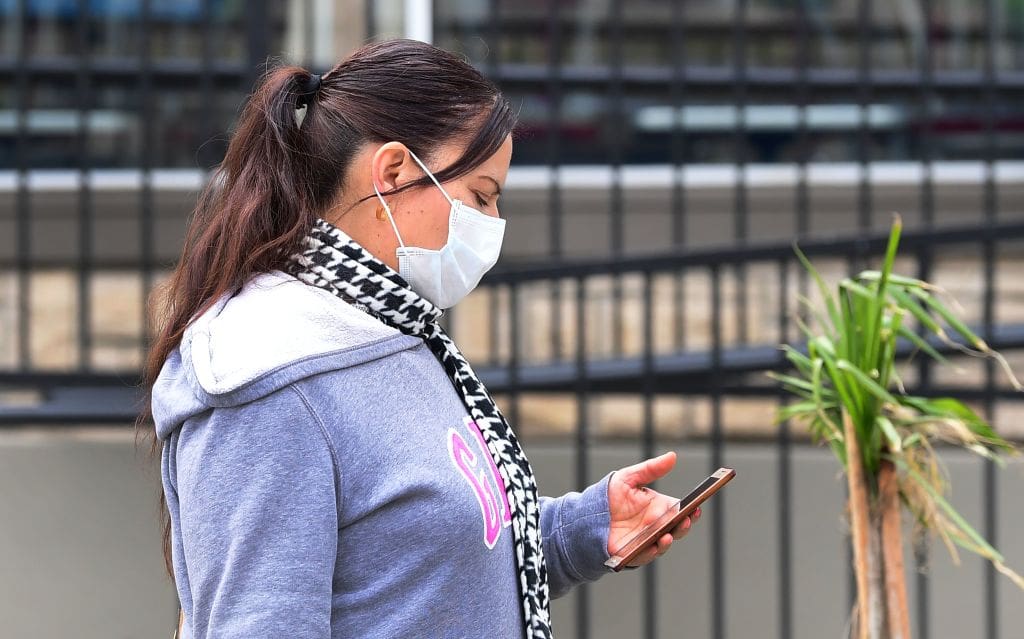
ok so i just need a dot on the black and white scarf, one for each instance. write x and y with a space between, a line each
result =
330 260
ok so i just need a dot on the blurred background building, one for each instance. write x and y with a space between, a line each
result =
669 153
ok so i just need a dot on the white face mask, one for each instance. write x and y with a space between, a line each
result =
446 275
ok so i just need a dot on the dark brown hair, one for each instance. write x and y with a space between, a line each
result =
277 176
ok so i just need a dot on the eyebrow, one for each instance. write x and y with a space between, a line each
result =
497 187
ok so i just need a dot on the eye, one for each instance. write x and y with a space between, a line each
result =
479 200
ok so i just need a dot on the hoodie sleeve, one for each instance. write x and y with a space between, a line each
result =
574 529
259 520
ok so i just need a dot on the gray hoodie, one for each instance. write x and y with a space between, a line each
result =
324 480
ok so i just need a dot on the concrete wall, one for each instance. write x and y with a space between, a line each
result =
79 544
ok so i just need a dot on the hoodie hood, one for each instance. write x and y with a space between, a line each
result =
275 331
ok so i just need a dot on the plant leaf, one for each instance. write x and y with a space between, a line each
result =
922 344
954 408
948 509
866 382
873 330
899 280
826 297
887 428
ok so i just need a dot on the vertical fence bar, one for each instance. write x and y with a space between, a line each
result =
925 257
554 154
991 216
514 353
495 37
148 147
650 570
803 221
370 15
803 149
741 214
85 213
613 125
493 328
784 491
717 513
493 67
677 89
24 228
210 123
311 50
990 486
864 35
582 440
257 41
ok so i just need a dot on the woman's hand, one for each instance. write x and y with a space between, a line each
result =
633 506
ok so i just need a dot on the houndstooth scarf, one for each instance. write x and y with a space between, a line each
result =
331 260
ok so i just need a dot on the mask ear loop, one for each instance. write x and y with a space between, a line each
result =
431 175
388 209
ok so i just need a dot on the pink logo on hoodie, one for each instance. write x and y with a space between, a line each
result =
476 468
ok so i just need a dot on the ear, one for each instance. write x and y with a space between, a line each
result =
387 165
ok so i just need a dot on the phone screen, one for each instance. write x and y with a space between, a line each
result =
695 493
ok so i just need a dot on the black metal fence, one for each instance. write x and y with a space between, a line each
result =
696 62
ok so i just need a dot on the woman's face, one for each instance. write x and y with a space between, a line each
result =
421 213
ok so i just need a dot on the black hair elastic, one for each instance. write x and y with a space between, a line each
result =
308 90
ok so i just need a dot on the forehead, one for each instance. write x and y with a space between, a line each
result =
499 161
495 166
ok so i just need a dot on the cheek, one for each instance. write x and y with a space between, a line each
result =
426 217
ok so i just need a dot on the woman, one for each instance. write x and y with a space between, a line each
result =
331 466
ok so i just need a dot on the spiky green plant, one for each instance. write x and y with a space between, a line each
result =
849 370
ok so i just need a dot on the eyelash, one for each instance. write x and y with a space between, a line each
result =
479 200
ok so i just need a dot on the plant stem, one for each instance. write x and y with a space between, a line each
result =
859 523
877 620
892 551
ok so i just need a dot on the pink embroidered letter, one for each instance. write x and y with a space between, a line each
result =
495 511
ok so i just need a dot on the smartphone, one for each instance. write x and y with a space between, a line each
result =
670 518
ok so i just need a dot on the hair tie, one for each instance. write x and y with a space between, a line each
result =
308 90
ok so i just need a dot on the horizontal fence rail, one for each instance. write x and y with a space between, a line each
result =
678 366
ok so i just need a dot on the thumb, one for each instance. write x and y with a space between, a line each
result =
647 471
